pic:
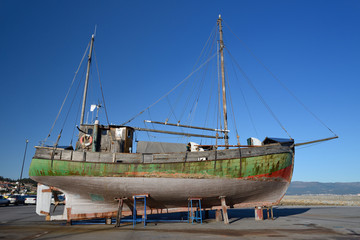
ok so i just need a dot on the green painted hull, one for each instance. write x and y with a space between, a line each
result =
91 187
230 168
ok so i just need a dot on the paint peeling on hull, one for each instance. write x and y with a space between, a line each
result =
163 193
91 187
228 168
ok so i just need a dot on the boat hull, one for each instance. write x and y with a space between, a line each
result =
92 187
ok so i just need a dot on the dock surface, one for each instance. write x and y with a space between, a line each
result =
295 222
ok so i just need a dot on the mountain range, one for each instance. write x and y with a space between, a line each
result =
338 188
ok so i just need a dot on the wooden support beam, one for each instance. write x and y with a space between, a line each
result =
224 210
218 215
177 133
315 141
187 126
270 213
68 220
119 213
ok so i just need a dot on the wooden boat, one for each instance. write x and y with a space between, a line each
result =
103 169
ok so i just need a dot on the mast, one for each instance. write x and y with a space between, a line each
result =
219 22
86 81
22 168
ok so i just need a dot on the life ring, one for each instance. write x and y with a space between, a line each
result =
86 140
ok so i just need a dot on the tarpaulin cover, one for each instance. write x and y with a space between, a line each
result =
159 147
282 141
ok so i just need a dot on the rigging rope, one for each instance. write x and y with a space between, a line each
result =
246 105
78 109
206 47
280 82
101 89
131 119
76 118
72 102
259 95
67 94
232 110
196 101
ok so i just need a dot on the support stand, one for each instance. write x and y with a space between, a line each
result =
119 213
224 210
218 215
143 218
108 221
259 214
270 213
194 210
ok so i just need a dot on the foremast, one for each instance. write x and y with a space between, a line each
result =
86 81
221 42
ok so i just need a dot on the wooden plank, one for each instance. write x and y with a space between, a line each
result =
119 213
66 155
177 133
93 157
187 126
224 210
45 153
78 156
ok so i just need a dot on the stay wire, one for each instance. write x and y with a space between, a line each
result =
78 110
245 102
232 107
209 102
207 47
67 94
68 112
280 82
202 82
196 62
77 116
259 95
141 112
72 102
101 89
171 109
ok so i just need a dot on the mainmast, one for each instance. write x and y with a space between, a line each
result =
86 81
219 22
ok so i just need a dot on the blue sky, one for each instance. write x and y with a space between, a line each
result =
144 48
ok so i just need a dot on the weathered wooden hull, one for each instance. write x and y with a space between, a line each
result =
246 178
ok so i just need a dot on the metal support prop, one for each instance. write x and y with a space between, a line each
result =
143 218
194 210
224 210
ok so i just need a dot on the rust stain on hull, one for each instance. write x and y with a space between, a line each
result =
91 187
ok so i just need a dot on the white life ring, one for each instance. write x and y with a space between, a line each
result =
86 140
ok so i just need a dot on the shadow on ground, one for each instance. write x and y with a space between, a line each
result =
234 215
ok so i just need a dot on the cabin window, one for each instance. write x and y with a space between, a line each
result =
104 132
129 134
90 131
